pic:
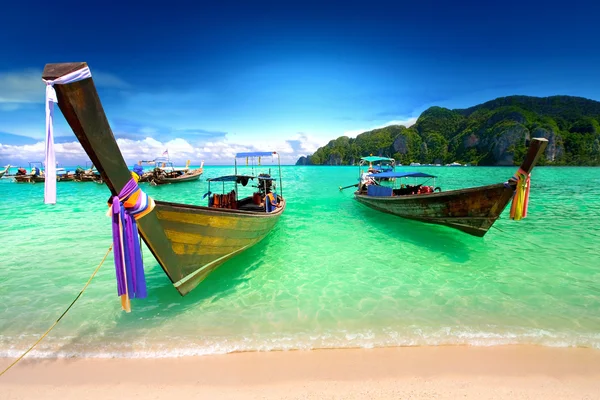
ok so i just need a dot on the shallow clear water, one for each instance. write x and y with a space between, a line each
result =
332 273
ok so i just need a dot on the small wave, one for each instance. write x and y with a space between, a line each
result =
183 347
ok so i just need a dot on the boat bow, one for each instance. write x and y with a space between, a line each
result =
188 241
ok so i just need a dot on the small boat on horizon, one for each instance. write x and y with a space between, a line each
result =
378 165
87 174
165 172
471 210
35 174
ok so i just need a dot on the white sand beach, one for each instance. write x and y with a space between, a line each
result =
442 372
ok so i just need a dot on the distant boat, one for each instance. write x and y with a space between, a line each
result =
89 174
473 210
415 164
454 164
63 175
35 174
188 241
164 173
378 165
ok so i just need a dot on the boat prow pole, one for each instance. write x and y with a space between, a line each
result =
81 107
537 146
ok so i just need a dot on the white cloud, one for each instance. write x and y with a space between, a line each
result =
180 150
26 86
406 122
66 153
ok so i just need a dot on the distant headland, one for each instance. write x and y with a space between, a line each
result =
492 133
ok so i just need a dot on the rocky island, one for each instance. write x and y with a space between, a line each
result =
492 133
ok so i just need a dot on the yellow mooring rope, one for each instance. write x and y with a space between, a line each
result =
62 315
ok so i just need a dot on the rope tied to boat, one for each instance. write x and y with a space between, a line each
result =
520 202
50 159
125 209
61 316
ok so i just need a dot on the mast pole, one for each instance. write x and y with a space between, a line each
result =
280 182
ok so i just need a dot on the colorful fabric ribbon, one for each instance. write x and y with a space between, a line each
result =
50 159
518 208
130 205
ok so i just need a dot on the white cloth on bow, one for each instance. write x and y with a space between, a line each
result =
50 171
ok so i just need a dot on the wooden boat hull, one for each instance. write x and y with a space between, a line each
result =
29 179
179 179
472 210
188 241
87 178
202 238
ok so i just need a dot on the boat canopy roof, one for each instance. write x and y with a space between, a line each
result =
392 174
256 154
231 178
375 158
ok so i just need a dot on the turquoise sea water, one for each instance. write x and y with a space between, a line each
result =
332 273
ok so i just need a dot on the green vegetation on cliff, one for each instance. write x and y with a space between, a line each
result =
492 133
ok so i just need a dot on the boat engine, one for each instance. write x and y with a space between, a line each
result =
265 184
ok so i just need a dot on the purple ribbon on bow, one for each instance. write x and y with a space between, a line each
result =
129 267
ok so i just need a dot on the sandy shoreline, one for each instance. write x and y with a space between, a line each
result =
406 372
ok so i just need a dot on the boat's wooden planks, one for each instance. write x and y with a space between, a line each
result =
452 203
194 249
198 217
472 210
467 210
203 240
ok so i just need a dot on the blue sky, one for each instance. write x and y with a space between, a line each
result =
207 79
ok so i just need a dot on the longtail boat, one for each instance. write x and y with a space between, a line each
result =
188 241
62 175
166 173
89 174
378 165
36 174
472 210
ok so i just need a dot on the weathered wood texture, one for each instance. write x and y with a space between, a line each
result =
472 210
203 238
176 234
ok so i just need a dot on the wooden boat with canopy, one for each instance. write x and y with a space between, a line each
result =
89 174
378 165
35 174
472 210
263 200
164 172
188 241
